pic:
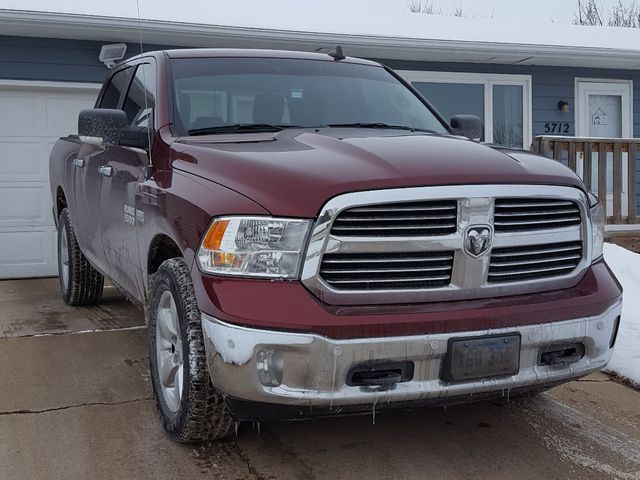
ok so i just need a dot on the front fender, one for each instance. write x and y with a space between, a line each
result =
181 206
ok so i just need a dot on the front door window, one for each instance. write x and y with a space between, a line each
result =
605 115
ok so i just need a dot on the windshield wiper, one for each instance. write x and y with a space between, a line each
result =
380 125
240 128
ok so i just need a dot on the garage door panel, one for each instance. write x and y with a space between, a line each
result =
62 114
31 120
27 252
23 160
24 204
21 115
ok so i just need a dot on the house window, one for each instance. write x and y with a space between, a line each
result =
503 102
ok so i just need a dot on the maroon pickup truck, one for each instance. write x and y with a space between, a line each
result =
308 236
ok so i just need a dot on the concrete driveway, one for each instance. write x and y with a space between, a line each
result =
76 403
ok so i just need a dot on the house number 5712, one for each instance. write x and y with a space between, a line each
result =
556 128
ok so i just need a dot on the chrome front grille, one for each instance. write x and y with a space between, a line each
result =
534 261
381 271
506 240
518 214
398 220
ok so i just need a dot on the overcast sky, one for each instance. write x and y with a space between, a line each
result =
559 11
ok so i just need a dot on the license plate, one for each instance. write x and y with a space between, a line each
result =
482 357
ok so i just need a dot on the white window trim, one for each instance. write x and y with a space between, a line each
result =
602 84
488 80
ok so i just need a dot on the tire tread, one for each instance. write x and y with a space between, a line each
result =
204 416
86 284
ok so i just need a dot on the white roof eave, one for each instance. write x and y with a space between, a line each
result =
160 32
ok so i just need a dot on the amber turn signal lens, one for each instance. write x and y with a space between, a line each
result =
226 259
213 238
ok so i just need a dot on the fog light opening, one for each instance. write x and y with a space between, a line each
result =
270 366
614 332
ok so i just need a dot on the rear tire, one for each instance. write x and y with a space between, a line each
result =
80 283
191 408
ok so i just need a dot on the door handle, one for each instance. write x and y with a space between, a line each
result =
78 162
106 171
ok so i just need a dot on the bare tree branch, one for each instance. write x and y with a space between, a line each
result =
623 14
457 11
417 6
588 13
427 6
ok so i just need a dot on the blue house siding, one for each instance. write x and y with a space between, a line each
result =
52 59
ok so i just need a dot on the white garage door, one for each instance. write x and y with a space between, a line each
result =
32 117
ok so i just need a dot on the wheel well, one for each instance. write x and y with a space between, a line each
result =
162 248
61 202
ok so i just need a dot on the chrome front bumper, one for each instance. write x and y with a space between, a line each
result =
315 368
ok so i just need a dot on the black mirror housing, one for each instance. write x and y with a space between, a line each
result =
469 126
137 137
101 125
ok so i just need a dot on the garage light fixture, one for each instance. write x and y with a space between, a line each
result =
110 54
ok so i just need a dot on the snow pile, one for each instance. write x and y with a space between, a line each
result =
626 354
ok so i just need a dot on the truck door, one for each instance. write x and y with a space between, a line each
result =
125 166
88 179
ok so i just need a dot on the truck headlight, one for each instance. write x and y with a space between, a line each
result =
254 247
597 228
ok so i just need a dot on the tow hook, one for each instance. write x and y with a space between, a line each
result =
380 375
561 355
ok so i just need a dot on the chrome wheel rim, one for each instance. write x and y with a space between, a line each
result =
169 351
64 258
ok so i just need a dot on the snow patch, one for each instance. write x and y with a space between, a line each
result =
625 361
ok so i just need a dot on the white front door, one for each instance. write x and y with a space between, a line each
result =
604 109
32 117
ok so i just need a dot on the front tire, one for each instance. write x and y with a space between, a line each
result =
191 408
80 283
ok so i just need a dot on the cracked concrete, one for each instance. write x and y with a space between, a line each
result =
55 371
80 406
38 310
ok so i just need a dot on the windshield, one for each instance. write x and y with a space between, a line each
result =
228 94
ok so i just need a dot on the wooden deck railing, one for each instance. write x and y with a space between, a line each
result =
608 166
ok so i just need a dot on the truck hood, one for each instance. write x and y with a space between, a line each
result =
294 172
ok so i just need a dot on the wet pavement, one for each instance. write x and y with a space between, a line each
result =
78 406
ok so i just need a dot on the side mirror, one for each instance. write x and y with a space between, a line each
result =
469 126
101 126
